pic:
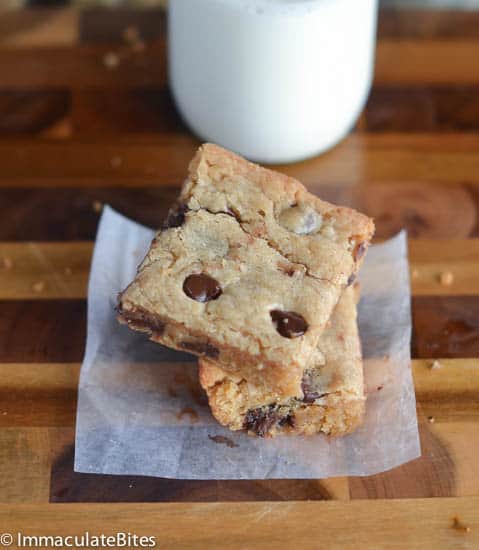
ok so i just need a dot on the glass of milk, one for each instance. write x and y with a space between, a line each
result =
274 80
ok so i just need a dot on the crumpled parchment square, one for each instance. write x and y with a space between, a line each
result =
141 410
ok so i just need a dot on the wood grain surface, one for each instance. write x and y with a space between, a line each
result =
76 134
451 523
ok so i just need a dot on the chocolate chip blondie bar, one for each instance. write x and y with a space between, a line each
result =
332 399
246 270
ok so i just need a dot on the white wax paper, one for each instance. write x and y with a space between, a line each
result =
141 411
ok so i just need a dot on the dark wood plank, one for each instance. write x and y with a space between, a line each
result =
100 25
52 331
426 210
82 67
94 113
42 331
389 109
422 109
68 214
427 23
445 326
32 112
136 110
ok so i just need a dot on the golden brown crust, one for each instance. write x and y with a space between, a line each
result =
220 180
275 185
340 403
270 246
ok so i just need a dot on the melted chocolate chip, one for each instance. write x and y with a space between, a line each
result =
176 216
202 348
287 420
288 323
222 440
202 288
351 279
142 320
260 421
359 251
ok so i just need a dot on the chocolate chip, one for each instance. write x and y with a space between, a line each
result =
222 440
359 251
202 288
351 279
260 421
288 323
142 320
287 420
201 348
176 216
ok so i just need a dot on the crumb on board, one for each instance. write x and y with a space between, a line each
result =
116 162
131 34
7 263
222 440
111 60
68 271
446 278
458 525
39 286
435 365
97 206
431 419
415 273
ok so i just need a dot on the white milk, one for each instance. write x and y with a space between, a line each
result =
274 80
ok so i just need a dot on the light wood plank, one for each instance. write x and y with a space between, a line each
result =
450 390
421 523
44 394
38 270
44 270
163 160
38 395
444 267
25 464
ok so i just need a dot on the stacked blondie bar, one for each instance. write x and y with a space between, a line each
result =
256 276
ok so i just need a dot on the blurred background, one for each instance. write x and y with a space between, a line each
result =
86 119
399 3
5 4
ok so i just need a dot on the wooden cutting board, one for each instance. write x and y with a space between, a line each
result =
76 133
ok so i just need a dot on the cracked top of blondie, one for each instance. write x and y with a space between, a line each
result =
246 270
